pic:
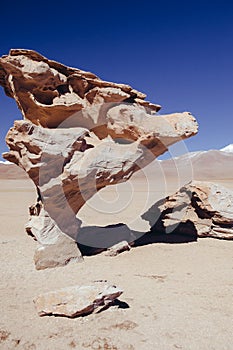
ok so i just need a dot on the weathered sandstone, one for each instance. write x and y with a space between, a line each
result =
198 209
77 300
79 134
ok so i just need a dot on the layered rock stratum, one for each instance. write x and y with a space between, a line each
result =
78 135
198 209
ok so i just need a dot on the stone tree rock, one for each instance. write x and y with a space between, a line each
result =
78 135
198 209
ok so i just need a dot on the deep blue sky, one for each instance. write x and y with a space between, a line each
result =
180 53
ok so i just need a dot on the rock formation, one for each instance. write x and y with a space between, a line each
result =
198 209
77 300
78 135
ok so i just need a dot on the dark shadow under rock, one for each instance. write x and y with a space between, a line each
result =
94 239
90 238
158 237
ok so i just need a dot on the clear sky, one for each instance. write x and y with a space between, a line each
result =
180 53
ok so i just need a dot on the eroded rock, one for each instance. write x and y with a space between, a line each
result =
79 134
48 92
201 209
77 300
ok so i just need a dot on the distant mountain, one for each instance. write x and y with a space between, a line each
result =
201 165
10 171
228 148
204 165
5 162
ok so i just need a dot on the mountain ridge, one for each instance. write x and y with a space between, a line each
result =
201 165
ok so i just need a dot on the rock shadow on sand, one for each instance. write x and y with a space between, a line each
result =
94 240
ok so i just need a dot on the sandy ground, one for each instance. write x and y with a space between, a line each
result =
176 296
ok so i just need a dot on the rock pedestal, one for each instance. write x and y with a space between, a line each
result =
78 135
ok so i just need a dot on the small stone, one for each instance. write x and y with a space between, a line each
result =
118 248
77 300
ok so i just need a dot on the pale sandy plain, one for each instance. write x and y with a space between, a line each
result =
176 296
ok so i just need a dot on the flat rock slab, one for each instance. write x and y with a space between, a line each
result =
77 300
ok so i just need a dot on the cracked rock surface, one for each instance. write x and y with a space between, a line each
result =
199 209
78 135
77 300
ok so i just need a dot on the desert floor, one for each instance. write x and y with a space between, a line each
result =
176 296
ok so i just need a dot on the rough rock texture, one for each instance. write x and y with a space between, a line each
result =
201 209
79 134
77 300
118 248
54 245
48 92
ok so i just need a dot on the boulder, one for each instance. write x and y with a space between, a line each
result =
198 209
77 300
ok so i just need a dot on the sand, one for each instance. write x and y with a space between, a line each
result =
176 296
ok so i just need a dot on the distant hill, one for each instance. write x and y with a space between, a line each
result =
205 165
228 148
201 165
9 171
